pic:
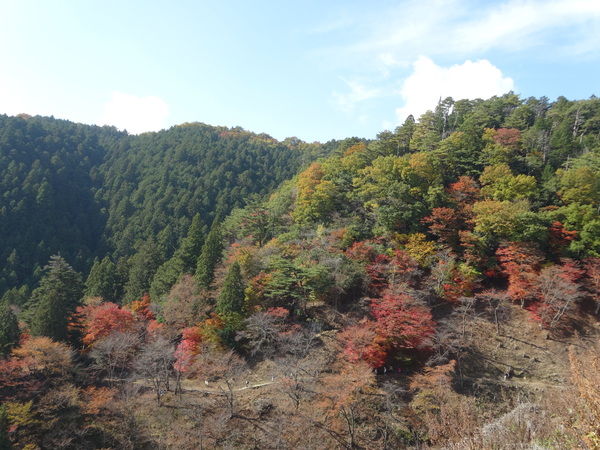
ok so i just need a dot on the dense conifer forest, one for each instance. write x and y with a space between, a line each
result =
209 287
88 192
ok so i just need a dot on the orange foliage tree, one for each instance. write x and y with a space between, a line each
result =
444 415
448 222
141 308
559 237
362 342
341 402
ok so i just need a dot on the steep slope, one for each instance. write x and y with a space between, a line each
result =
49 174
85 191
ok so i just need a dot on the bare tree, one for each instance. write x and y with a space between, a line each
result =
452 337
226 369
154 363
393 398
342 403
114 353
262 334
558 294
293 380
300 341
497 304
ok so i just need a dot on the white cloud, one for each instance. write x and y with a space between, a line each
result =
10 103
135 114
428 82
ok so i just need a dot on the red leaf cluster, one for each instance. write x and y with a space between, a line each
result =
101 320
403 323
399 324
187 349
520 263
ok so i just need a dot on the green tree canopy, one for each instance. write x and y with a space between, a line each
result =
57 296
9 330
231 298
212 252
103 281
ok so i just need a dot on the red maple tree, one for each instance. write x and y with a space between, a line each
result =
98 321
520 263
402 321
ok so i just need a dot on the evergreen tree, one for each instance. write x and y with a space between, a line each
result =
212 251
166 242
183 261
16 296
88 191
9 330
192 245
4 439
55 299
165 277
404 135
231 299
103 281
143 266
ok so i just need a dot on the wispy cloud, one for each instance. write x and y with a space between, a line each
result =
468 28
357 93
339 23
135 114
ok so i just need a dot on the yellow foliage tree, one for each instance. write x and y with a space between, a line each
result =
43 355
315 197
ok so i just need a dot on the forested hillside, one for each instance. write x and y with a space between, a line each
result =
437 287
88 192
49 175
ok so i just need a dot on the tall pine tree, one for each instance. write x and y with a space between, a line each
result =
183 261
9 330
56 298
142 268
103 281
212 251
192 245
231 299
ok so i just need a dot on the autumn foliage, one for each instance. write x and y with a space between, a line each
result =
43 355
558 290
402 322
362 342
520 263
448 222
399 325
307 320
102 320
141 308
187 349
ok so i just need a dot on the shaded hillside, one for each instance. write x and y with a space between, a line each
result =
163 179
86 191
50 171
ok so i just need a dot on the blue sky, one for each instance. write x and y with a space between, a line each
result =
317 70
